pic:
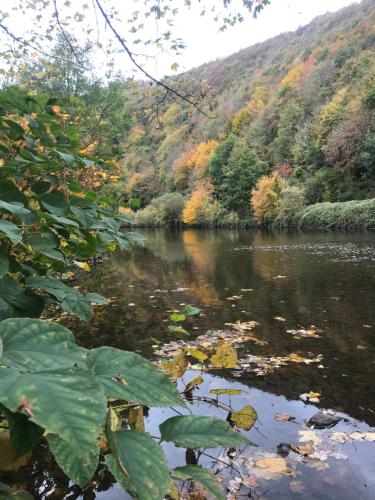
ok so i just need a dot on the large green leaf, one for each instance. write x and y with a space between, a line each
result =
127 375
24 434
34 345
201 476
144 461
4 265
119 475
14 208
40 376
196 431
11 231
23 302
79 464
7 493
68 298
55 203
87 217
67 402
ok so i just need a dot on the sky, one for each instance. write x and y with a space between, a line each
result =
205 43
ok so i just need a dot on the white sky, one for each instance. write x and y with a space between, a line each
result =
205 43
201 35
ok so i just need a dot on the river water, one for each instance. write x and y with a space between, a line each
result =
290 284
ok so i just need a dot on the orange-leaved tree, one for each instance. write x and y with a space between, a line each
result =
201 208
267 196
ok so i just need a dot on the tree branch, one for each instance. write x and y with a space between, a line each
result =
27 44
141 69
66 38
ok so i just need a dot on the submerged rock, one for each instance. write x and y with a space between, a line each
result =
322 420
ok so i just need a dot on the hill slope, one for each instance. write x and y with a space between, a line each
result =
301 103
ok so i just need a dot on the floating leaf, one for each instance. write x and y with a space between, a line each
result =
279 318
275 465
202 476
195 353
193 383
225 356
199 431
176 367
177 329
229 392
244 418
307 436
284 417
176 318
304 449
191 310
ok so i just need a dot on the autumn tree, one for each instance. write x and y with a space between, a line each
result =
201 208
240 176
266 197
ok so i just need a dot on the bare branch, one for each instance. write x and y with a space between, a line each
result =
141 69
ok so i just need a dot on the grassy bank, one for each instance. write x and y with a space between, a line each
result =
342 215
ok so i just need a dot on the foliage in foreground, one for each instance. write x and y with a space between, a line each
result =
49 386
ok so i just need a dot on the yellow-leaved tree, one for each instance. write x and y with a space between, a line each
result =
201 208
266 197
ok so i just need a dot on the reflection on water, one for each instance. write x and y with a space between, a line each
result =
326 280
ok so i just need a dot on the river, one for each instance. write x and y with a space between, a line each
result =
312 296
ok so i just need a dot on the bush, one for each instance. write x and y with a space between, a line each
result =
169 207
292 204
342 215
266 198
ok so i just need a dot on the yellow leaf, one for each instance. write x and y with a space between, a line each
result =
176 367
245 418
115 420
225 356
135 419
194 382
199 355
229 392
83 265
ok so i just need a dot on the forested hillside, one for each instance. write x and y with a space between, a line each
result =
298 108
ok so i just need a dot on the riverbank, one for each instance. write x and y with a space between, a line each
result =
350 215
341 215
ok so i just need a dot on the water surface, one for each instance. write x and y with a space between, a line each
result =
320 280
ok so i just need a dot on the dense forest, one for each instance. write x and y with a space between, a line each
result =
292 117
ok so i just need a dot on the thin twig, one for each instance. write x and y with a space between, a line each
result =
66 38
141 69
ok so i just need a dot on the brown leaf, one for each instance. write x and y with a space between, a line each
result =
303 449
276 465
284 417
